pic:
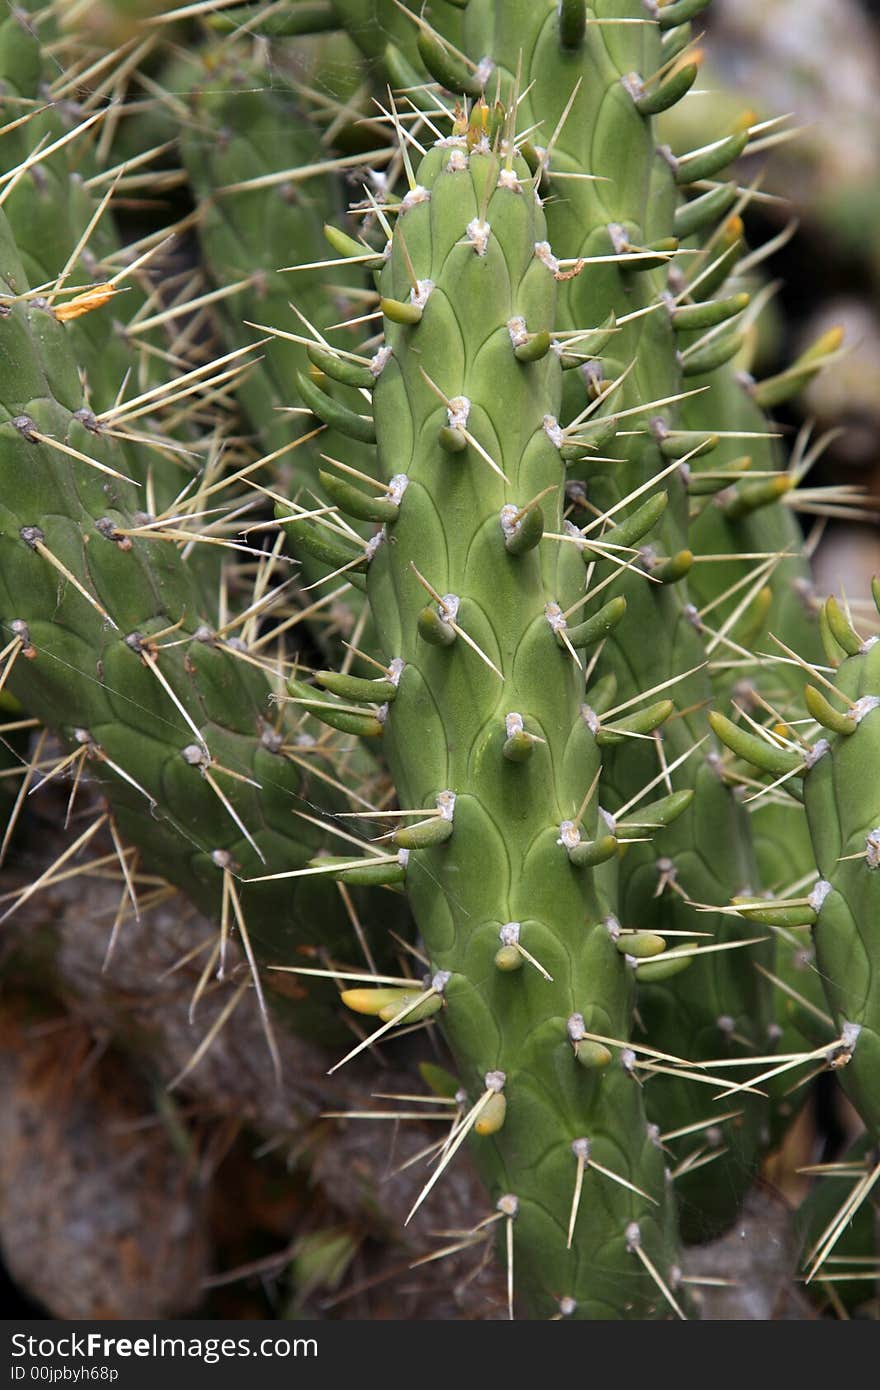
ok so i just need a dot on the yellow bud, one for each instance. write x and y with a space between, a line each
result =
493 1113
84 303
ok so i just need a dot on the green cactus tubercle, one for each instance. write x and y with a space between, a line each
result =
545 489
470 250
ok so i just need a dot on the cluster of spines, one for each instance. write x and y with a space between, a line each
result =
706 346
108 639
467 452
614 217
828 763
439 618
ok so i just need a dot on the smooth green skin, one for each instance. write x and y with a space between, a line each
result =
446 729
373 24
84 676
303 17
842 798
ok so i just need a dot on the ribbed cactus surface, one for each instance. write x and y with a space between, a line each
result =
112 646
564 765
487 736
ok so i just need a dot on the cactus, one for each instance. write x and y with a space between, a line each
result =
467 599
853 1281
770 598
617 216
532 504
594 89
255 205
182 736
836 775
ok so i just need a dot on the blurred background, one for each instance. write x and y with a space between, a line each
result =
821 63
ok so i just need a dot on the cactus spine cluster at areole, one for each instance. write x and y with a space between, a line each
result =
537 482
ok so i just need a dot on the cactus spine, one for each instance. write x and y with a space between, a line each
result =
469 249
547 644
611 216
838 781
111 644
